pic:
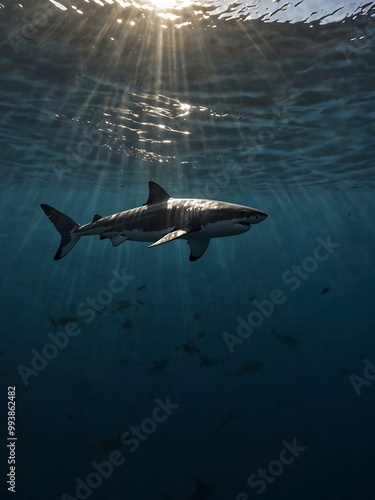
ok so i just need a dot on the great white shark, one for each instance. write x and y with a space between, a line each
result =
160 220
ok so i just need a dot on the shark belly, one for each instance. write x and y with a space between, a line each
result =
146 236
218 230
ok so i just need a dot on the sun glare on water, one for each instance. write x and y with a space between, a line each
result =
170 4
164 4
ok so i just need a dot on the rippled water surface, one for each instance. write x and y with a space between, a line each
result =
263 347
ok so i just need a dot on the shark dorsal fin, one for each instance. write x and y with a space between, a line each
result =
156 194
97 217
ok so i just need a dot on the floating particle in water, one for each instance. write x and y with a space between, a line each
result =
122 304
160 365
197 316
63 321
190 348
124 361
127 324
324 291
206 361
285 339
227 419
250 367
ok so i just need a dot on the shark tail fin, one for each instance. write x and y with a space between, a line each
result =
66 227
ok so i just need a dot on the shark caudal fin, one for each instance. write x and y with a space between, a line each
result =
65 226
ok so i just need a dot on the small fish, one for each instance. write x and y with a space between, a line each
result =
124 361
127 324
227 419
109 444
140 302
122 304
349 214
63 321
202 490
159 365
202 333
161 495
324 291
206 361
197 316
142 287
190 348
285 339
250 367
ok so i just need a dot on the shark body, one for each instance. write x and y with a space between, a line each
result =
160 220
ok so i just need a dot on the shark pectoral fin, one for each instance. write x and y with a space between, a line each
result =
117 240
197 247
173 235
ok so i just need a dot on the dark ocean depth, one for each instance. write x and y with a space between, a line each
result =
130 373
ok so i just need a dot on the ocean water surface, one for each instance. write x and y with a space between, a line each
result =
136 374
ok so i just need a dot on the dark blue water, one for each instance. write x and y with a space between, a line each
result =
140 375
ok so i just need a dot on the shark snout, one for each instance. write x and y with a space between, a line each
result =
258 216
